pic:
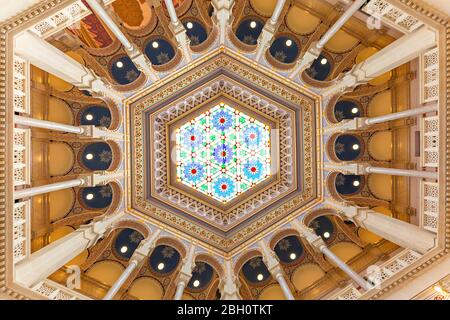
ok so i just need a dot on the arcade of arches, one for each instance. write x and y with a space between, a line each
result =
225 149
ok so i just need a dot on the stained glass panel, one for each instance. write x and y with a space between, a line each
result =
223 153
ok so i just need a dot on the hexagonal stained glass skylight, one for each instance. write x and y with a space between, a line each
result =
223 153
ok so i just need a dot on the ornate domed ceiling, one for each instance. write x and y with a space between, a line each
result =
223 150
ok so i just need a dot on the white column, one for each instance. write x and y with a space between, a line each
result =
141 252
275 269
103 15
314 52
89 131
397 53
402 172
361 123
222 17
340 23
42 263
30 122
92 180
48 58
179 31
268 32
185 273
229 285
33 191
361 169
119 282
402 114
344 267
316 242
402 233
139 59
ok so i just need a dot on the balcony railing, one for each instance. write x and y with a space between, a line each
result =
22 159
378 274
429 142
54 291
391 15
429 206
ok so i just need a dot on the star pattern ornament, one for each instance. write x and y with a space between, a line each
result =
163 58
168 252
105 156
194 40
284 244
255 262
200 267
339 115
131 75
340 180
249 39
223 153
105 191
339 148
105 121
280 56
136 237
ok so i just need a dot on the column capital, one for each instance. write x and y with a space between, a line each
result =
305 62
101 178
94 132
346 125
270 259
347 168
348 210
222 17
188 266
97 229
146 246
229 286
308 234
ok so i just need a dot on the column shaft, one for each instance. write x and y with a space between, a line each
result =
316 48
33 191
317 243
172 12
97 7
43 55
185 273
361 169
266 36
397 53
277 11
344 267
339 23
180 290
284 286
402 172
402 114
139 59
42 263
275 269
119 282
141 253
361 123
179 31
25 121
402 233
